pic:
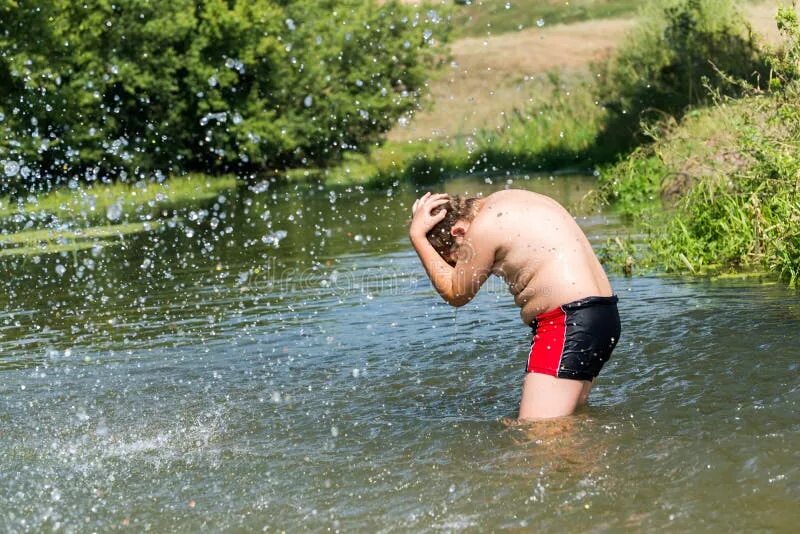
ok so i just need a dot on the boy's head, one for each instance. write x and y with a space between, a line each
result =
448 234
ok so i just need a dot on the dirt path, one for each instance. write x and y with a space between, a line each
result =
489 77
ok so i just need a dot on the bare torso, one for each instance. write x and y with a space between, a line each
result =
540 251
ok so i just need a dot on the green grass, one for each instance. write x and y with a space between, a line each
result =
559 133
661 173
90 205
49 241
718 194
481 17
50 248
59 236
492 16
94 202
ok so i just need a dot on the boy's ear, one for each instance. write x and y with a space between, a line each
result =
458 231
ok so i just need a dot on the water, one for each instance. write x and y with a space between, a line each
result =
218 374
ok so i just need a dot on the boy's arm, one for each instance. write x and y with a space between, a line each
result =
457 286
475 261
439 271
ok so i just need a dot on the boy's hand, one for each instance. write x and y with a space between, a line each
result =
422 221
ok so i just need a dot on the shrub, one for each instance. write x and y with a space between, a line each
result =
101 90
682 49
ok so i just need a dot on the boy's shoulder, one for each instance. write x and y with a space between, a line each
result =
498 210
511 197
507 195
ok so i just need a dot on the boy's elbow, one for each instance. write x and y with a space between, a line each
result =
458 301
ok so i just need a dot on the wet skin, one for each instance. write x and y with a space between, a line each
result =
536 246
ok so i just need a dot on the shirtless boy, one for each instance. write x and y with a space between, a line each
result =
535 245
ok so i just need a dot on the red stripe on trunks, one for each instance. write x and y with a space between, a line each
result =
548 343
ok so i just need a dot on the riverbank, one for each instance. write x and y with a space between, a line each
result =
719 191
717 194
522 101
86 217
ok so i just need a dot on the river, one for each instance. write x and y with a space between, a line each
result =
276 359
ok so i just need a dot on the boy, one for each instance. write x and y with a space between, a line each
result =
535 245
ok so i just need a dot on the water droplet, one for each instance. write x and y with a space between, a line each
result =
11 168
114 211
60 269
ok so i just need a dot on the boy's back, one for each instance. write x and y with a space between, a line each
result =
539 250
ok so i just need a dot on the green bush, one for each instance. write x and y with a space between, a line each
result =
102 90
683 51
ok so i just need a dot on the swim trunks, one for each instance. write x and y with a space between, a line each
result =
576 339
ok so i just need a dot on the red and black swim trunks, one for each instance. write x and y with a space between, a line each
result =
576 339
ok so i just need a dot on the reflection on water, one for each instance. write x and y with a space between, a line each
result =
277 358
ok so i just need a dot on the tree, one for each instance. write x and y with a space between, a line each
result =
134 88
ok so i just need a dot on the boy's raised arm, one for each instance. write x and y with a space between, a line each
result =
457 286
439 271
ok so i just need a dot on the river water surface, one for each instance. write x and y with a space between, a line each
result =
277 360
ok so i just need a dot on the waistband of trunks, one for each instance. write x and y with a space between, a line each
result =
585 302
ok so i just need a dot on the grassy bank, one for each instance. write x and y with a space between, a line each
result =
676 55
719 191
90 217
559 132
118 201
482 17
718 194
479 18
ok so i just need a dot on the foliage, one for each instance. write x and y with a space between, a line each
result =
785 63
633 185
743 218
683 51
48 241
102 90
751 220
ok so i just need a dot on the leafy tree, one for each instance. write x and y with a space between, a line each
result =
134 88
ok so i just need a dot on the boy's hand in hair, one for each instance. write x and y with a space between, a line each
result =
422 217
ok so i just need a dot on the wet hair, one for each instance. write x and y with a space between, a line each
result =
458 209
